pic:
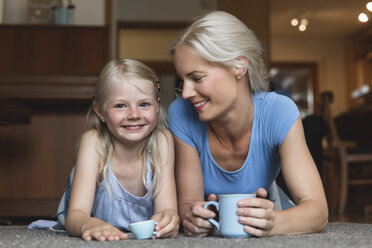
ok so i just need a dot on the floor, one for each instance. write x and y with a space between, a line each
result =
336 234
353 217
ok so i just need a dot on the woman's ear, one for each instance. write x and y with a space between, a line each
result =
98 112
241 67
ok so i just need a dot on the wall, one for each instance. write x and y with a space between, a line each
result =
162 10
329 53
87 12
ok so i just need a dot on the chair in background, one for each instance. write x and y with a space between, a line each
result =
342 154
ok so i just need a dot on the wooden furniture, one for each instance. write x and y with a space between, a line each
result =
342 154
51 71
358 64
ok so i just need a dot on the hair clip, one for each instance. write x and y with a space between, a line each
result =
157 85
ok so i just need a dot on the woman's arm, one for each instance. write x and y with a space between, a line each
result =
166 201
190 191
304 183
79 221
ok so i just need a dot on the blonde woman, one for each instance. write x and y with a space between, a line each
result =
233 136
124 167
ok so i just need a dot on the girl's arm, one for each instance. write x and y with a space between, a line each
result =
79 221
165 202
190 191
303 181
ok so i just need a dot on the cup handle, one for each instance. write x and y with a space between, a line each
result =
216 204
154 233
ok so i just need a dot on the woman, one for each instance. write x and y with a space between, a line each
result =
232 136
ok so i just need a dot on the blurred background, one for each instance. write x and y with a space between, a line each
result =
319 53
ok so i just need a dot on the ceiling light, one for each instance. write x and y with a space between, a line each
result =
294 22
302 27
363 17
304 21
369 6
301 21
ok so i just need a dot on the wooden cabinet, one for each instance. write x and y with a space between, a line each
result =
359 64
52 71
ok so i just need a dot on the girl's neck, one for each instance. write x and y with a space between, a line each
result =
128 152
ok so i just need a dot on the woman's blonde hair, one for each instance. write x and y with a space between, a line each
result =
222 38
114 73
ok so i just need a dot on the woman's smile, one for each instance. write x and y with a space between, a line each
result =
200 105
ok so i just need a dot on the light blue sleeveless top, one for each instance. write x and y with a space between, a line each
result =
118 207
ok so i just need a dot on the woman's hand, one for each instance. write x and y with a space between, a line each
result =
168 223
195 221
101 230
257 214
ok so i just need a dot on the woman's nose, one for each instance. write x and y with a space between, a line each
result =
188 90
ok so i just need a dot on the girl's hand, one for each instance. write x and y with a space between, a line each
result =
168 223
101 230
195 222
257 214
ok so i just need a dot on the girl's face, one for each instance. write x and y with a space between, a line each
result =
212 89
130 110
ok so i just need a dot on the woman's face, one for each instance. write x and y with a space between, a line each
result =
211 89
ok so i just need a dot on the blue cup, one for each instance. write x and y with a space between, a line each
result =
143 229
229 226
63 16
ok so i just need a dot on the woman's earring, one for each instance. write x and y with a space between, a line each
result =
237 77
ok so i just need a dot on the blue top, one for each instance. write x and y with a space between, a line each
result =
274 115
120 208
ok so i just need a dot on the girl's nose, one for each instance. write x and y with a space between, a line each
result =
188 90
133 113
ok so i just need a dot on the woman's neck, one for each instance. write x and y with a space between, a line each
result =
237 122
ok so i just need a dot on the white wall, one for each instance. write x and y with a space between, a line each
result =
328 53
87 12
162 10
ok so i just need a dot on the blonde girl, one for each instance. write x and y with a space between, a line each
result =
124 167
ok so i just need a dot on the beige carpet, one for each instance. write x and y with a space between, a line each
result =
337 234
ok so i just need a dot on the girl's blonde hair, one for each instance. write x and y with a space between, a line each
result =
114 73
222 38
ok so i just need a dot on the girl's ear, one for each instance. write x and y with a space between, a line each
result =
98 112
242 66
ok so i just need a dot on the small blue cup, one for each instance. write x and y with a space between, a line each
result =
229 226
143 229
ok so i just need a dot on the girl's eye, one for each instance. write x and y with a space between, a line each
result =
145 104
120 105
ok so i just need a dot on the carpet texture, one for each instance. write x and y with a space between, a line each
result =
335 235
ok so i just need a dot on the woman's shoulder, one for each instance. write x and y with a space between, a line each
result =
180 107
272 100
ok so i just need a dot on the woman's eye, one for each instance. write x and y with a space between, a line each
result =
198 79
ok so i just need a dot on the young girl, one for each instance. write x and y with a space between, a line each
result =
124 168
